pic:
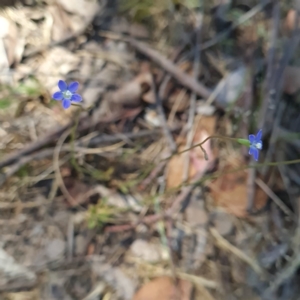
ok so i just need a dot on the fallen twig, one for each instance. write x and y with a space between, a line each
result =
16 166
58 176
247 16
223 243
275 198
154 173
283 275
274 115
185 79
36 145
84 124
270 63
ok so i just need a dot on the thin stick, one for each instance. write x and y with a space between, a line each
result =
154 173
84 124
270 63
185 79
58 175
225 245
274 197
200 145
10 171
283 275
42 141
247 16
277 111
184 193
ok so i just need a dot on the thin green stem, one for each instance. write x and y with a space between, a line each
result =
200 145
73 138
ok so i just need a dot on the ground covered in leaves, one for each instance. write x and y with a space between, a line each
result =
109 199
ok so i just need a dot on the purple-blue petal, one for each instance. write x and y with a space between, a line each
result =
73 86
258 135
76 98
252 138
255 153
66 103
62 85
58 96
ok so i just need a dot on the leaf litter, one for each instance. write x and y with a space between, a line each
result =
95 203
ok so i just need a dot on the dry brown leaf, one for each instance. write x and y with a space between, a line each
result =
230 192
175 170
197 161
77 190
181 100
204 127
163 288
207 123
130 94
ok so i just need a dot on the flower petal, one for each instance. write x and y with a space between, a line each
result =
252 138
62 85
76 98
255 153
66 103
73 86
251 150
58 96
258 136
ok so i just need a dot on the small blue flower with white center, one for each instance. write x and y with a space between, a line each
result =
255 144
67 93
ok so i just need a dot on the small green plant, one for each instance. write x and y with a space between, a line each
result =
30 88
101 213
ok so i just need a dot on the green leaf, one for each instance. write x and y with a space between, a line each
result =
244 142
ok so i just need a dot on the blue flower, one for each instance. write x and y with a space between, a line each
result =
255 144
67 93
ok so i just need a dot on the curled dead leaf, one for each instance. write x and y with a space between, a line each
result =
163 288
